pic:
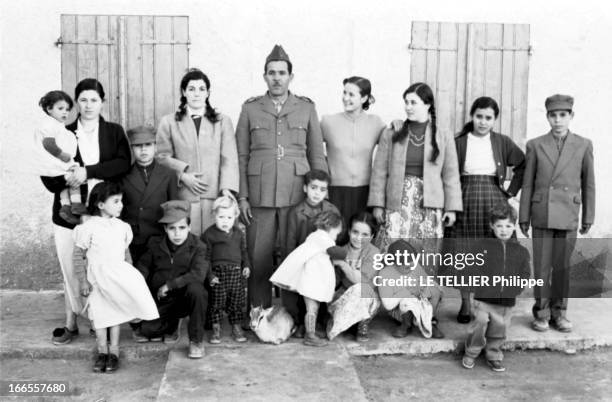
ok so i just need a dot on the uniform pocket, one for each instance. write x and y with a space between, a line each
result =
254 180
260 132
297 130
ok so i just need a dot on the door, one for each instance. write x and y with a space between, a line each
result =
139 60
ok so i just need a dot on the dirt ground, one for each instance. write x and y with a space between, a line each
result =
533 375
136 380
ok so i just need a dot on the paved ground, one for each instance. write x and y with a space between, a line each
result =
343 370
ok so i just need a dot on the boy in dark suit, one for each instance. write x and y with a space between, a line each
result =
146 186
559 177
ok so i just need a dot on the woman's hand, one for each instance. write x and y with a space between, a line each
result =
245 211
449 218
193 183
76 176
162 292
397 125
379 215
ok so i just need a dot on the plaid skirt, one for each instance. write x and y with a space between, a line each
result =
412 221
480 193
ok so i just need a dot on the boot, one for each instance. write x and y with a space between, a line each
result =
215 338
238 334
300 332
362 331
405 326
311 338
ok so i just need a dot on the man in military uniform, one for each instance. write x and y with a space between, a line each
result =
279 140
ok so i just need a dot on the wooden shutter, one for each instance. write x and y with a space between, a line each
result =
462 62
138 59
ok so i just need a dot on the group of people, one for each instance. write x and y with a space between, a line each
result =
404 187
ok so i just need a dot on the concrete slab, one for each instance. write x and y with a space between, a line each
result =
27 319
288 372
592 328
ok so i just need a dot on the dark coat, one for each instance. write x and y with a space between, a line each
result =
555 187
142 200
505 153
187 265
115 156
513 261
300 222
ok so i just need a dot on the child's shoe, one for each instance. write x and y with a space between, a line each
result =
66 214
468 362
496 365
63 336
196 350
112 363
100 364
173 338
138 337
215 338
311 338
238 334
436 332
540 324
362 331
300 331
561 324
405 326
78 209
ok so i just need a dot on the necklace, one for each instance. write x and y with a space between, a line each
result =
415 140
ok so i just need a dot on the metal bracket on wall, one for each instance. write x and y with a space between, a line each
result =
412 47
60 42
528 49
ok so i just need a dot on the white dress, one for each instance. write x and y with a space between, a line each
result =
119 291
41 162
308 270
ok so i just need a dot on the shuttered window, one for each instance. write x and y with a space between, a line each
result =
462 62
138 59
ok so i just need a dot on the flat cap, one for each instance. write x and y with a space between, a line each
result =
175 210
559 102
141 135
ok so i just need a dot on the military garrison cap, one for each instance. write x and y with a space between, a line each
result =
278 54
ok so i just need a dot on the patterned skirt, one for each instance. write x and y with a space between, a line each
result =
480 193
412 221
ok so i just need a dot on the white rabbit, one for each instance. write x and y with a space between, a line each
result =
272 325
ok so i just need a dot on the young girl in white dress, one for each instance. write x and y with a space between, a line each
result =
308 270
116 291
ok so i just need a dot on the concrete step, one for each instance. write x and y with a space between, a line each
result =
28 318
247 373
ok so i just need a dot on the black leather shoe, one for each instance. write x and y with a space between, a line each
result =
463 318
112 363
100 364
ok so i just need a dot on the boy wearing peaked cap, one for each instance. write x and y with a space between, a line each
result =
175 266
559 179
279 140
147 185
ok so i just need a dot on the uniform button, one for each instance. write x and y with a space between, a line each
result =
279 133
565 188
140 208
552 187
279 120
498 163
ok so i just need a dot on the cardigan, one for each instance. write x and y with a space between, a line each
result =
505 153
350 144
115 157
441 186
226 248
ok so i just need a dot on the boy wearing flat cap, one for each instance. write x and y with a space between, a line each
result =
146 186
559 178
175 266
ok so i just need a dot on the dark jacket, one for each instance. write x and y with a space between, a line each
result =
505 153
187 265
508 262
142 200
300 222
115 156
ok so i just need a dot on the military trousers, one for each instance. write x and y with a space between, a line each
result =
266 235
